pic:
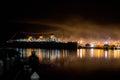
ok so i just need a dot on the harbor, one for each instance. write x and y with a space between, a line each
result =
59 40
51 41
37 56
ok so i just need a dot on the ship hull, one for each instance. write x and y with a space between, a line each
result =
44 45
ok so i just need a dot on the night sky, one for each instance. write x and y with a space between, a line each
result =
88 20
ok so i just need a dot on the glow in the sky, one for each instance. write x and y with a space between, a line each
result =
77 28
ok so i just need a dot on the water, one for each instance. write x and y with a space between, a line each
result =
80 58
90 62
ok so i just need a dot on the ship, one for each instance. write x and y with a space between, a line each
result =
49 42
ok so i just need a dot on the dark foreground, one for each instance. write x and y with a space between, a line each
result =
53 73
22 69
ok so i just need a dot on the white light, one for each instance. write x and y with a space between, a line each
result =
106 54
92 45
105 42
92 52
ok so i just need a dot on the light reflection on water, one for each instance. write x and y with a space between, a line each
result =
79 59
98 53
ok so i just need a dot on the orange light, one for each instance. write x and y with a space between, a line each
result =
30 38
52 36
40 37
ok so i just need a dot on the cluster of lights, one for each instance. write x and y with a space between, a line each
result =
99 43
41 37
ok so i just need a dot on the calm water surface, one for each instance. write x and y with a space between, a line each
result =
79 60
